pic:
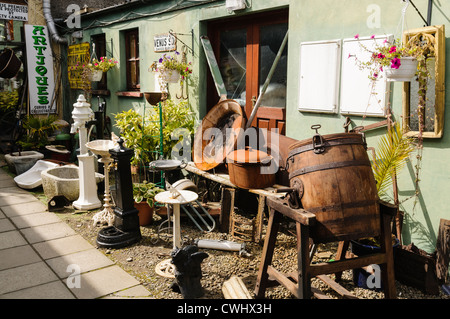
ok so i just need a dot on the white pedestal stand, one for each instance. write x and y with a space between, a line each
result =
88 199
102 147
169 198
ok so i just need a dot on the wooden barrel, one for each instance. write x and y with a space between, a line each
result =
336 183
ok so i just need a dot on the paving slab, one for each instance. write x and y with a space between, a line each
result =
17 256
133 292
62 246
99 283
11 239
26 276
84 261
33 220
6 225
7 183
24 208
47 232
16 198
52 290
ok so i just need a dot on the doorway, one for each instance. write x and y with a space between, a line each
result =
245 49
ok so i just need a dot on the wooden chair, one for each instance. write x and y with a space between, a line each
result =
300 284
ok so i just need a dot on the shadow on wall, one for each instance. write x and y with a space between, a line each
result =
424 233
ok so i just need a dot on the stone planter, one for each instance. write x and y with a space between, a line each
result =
20 162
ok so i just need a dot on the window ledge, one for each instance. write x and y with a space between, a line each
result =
130 94
101 92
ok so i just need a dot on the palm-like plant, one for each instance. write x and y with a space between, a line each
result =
38 131
393 151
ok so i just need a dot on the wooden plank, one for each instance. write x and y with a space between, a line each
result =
336 266
443 250
299 215
282 279
336 287
226 209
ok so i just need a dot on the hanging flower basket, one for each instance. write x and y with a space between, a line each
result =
96 75
405 72
170 76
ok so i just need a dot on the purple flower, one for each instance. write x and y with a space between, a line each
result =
395 63
160 60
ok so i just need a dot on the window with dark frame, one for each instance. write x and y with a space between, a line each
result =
132 59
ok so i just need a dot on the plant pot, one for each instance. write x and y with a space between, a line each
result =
96 75
9 64
145 213
170 76
405 72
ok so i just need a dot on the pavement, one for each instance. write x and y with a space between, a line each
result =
41 257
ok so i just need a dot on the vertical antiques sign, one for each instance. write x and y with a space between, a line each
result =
78 56
40 70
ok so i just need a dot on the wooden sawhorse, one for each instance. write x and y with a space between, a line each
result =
300 284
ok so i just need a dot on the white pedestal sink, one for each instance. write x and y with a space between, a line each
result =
101 148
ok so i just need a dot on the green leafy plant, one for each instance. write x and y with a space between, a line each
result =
142 132
133 131
38 131
145 192
393 151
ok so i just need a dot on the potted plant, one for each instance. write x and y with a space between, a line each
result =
171 70
396 62
144 195
98 67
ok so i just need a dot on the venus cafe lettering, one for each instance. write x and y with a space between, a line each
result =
40 70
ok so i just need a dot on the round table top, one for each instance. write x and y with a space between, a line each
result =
167 198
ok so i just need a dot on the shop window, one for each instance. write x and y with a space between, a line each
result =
132 59
435 97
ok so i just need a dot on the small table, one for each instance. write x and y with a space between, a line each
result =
170 198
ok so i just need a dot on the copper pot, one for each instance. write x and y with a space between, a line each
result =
248 168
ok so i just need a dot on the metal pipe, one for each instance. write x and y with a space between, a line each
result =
430 6
51 23
266 84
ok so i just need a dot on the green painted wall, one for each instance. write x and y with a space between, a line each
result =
308 21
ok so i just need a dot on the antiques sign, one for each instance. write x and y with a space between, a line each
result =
40 70
10 11
78 55
164 42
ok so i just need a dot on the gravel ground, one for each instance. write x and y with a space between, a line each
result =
141 260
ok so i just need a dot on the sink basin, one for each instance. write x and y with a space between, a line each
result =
101 147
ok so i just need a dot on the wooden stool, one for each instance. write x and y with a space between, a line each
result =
300 284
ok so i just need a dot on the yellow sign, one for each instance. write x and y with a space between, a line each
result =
78 56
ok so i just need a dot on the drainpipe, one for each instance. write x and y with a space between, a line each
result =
51 24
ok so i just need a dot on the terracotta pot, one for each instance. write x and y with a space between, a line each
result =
145 213
246 168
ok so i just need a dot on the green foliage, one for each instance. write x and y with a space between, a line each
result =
38 131
8 100
393 151
142 133
145 191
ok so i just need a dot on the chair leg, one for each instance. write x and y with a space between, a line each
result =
267 253
340 255
387 269
303 261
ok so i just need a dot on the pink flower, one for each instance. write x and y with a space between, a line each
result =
395 63
393 49
381 56
372 36
357 36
